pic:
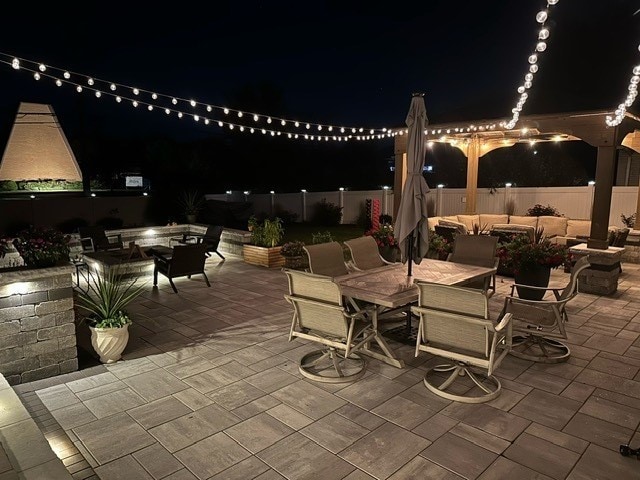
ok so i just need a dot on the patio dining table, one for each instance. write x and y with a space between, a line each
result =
387 289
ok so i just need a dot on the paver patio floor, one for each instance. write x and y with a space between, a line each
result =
209 389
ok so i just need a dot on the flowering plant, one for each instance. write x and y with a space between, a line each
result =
520 253
439 245
40 247
383 236
292 249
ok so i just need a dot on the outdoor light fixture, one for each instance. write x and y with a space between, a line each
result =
591 183
385 187
508 185
440 185
246 192
303 191
93 194
144 194
341 189
32 196
272 192
228 192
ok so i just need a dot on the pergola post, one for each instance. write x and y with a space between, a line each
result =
605 174
473 156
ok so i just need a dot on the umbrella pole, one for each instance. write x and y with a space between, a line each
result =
409 262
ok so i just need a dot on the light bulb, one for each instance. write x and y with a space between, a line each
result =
521 89
533 58
78 89
149 107
541 46
154 96
135 103
209 108
541 16
174 101
58 82
269 120
15 64
192 103
196 118
90 81
112 87
167 111
240 114
42 67
283 123
118 99
98 94
179 114
226 111
255 118
533 68
552 2
136 91
36 76
544 34
528 77
66 75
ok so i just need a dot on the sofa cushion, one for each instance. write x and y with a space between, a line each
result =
451 218
553 225
432 222
460 227
578 227
469 220
524 220
487 220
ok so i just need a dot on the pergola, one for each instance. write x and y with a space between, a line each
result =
475 139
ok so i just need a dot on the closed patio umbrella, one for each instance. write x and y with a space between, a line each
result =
411 227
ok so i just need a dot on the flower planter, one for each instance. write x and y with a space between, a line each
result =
109 343
263 256
537 276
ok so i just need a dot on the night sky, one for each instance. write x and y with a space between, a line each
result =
341 63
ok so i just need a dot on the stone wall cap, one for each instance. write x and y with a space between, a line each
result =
28 275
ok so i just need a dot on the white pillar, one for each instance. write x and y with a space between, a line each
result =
341 203
385 200
439 200
507 195
592 184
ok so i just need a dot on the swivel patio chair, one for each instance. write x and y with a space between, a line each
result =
326 259
186 260
455 325
479 250
320 316
365 254
540 324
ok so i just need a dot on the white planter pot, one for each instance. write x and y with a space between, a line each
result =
109 343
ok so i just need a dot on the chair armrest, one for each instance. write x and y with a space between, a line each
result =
506 319
83 241
526 301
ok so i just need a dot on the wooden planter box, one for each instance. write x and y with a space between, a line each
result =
263 256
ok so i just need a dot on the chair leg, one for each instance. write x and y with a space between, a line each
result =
220 255
173 286
155 276
206 279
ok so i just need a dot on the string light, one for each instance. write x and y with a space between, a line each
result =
541 45
631 96
159 99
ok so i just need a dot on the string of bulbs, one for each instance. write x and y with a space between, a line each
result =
631 96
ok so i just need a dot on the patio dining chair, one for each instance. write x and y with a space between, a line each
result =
320 316
211 240
478 250
540 324
94 239
455 325
365 254
326 259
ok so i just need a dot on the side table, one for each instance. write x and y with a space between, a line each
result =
81 266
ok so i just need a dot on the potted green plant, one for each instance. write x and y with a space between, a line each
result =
294 255
39 247
191 203
532 261
265 246
105 301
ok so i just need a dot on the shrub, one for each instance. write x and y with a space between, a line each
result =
539 210
326 213
8 186
321 237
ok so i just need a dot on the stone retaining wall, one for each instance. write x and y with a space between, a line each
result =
37 329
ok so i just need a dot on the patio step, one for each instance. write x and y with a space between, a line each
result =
25 453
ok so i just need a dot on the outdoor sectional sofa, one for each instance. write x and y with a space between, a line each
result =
559 229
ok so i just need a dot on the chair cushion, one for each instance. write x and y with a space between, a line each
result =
578 227
523 220
487 220
553 225
450 218
469 221
460 227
